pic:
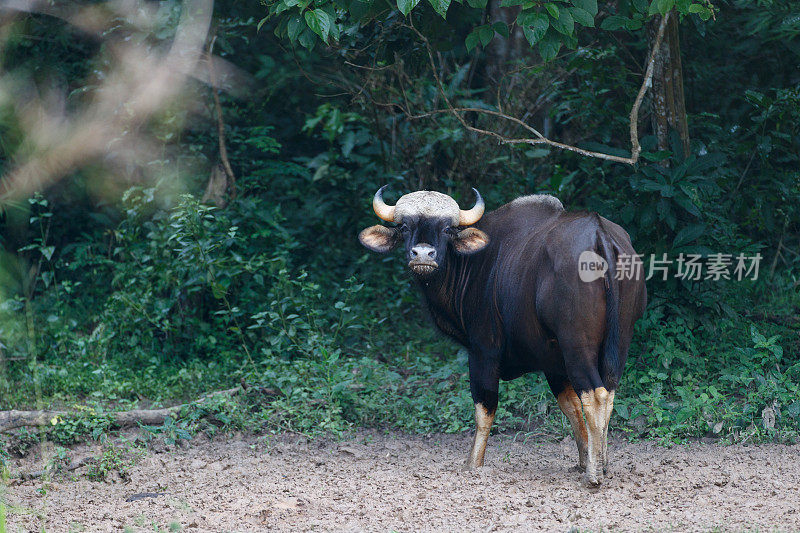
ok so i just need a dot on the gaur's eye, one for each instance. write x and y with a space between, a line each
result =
404 229
449 230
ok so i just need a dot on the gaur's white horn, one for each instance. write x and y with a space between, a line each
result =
384 212
467 218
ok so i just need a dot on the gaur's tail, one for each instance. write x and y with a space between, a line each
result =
610 366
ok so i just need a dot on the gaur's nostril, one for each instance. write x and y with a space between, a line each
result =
422 252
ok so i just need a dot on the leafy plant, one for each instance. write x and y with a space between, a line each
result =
118 458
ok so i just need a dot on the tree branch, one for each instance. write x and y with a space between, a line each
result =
538 138
16 419
223 150
140 84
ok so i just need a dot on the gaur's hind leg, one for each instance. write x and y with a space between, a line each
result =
609 409
484 384
570 405
596 402
597 405
594 410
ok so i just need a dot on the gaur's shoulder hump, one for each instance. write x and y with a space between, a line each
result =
538 200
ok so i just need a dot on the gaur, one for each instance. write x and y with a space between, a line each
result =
508 287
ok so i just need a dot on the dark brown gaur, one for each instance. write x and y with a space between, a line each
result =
507 286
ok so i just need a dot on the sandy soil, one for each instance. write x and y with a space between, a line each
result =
381 482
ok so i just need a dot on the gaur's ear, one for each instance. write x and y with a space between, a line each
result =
470 240
379 238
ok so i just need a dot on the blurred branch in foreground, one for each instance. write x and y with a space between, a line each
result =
142 80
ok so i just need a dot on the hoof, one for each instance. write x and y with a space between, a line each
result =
469 467
591 482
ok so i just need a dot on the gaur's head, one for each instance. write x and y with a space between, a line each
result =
428 222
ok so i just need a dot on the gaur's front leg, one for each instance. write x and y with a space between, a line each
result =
483 425
484 384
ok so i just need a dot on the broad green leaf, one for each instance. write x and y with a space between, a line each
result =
218 290
294 27
319 22
582 17
472 40
261 23
688 234
696 8
405 6
511 3
534 26
590 6
653 9
478 4
321 172
360 10
348 143
485 33
633 24
570 41
656 156
686 203
47 251
549 46
335 30
501 28
564 23
307 39
440 6
552 9
613 22
665 5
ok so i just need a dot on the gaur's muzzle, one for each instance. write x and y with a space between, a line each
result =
422 259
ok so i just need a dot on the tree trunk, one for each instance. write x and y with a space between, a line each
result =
502 52
669 106
217 187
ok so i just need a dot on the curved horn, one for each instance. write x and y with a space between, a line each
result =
384 212
467 218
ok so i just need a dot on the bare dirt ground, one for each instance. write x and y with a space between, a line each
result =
380 482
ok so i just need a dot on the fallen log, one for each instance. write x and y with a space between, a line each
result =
16 419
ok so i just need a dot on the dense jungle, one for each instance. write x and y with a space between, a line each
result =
185 234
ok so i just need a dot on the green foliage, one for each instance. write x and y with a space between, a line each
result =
547 26
90 423
117 457
674 400
170 431
150 297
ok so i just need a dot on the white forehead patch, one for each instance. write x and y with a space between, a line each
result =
541 199
426 204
